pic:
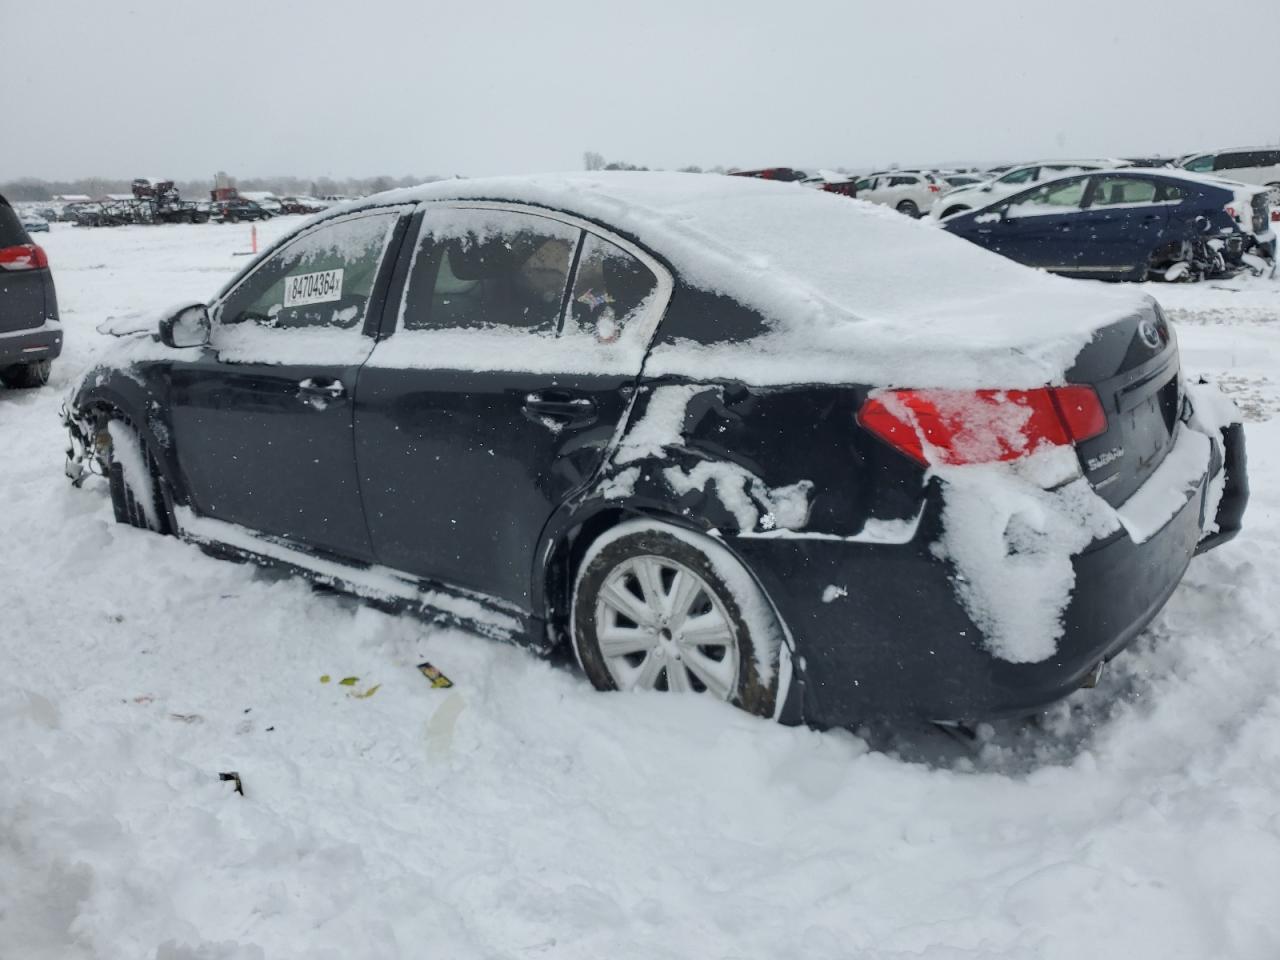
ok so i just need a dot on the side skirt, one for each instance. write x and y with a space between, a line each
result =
383 587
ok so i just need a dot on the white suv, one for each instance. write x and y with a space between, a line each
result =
1010 182
907 191
1258 165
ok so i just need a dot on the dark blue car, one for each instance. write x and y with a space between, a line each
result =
1124 224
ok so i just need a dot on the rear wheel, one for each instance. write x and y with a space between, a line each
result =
26 376
909 208
140 496
658 608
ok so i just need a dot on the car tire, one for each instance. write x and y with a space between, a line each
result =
909 208
666 577
27 376
143 501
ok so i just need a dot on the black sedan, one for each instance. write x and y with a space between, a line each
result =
30 332
694 430
1126 224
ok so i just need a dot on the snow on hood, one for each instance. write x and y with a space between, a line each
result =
852 292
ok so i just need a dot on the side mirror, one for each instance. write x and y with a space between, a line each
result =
988 187
188 327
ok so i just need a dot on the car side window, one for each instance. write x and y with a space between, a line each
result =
480 268
1170 194
1204 164
323 278
1119 191
610 289
866 184
903 181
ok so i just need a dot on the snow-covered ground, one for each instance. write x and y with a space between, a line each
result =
520 814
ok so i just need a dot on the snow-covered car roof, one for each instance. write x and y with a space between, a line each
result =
852 292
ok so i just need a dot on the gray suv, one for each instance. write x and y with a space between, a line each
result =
30 333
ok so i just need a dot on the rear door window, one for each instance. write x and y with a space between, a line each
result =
494 269
493 288
611 291
903 182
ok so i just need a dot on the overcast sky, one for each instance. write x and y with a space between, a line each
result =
170 88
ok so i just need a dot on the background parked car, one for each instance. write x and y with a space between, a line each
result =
1260 165
1126 224
235 210
910 193
1016 179
30 332
301 205
34 223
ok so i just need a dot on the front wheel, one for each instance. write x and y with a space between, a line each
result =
656 607
27 376
139 494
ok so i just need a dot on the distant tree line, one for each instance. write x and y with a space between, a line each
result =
33 188
595 161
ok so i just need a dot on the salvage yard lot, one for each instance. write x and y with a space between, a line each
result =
522 814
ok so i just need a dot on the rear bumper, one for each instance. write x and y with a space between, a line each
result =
900 644
23 346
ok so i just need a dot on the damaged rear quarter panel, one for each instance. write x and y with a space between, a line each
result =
747 459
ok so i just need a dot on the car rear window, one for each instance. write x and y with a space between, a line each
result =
12 232
1247 158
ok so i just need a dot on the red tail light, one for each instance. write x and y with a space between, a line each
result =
955 427
25 256
1231 211
934 188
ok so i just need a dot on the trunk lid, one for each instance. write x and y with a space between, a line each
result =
1133 365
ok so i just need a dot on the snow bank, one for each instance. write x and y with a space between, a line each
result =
853 292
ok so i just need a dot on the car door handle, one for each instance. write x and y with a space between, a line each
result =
312 389
559 406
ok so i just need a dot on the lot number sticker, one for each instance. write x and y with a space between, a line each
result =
307 288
